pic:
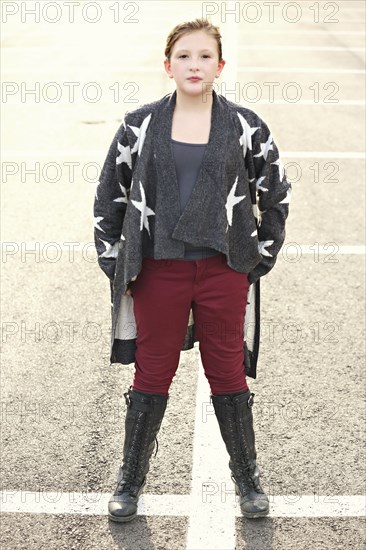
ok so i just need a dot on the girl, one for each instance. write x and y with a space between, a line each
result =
190 212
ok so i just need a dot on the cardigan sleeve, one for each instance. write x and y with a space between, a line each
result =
273 196
111 200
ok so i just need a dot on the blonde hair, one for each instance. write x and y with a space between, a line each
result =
189 26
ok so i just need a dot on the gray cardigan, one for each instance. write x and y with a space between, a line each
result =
238 206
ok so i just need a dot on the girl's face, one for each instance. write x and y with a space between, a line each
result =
194 62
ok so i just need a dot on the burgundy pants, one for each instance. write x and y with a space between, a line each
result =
163 293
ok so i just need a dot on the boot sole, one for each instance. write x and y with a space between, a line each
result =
122 519
255 514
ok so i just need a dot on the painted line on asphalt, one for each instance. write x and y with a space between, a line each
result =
324 154
292 48
212 505
345 22
335 103
264 48
291 70
211 519
131 70
290 506
325 32
311 102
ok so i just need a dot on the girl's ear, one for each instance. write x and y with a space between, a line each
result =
220 67
168 68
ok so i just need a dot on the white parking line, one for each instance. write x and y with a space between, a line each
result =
338 21
290 506
324 154
212 505
291 70
290 47
211 519
325 32
284 32
122 69
311 102
15 102
248 47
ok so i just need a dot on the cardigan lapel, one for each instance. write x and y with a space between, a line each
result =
163 153
210 182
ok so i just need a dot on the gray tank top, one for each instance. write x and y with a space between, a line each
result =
188 159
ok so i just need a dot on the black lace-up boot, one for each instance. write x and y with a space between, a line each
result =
145 412
235 418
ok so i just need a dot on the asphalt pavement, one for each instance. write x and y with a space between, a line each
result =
68 76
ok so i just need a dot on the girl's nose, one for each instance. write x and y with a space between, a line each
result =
194 64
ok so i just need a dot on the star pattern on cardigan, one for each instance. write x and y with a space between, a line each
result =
96 191
265 148
124 155
124 195
140 133
262 245
281 168
111 250
144 209
286 200
231 201
258 184
245 139
129 192
97 220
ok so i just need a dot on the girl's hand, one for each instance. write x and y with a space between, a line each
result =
128 292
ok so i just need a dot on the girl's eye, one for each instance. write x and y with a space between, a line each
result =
185 55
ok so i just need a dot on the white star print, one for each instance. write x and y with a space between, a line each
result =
145 210
111 250
96 191
262 245
255 232
266 148
124 195
281 168
258 185
286 200
124 155
231 201
246 137
96 223
140 134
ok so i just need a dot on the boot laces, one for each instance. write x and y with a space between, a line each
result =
136 457
240 456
